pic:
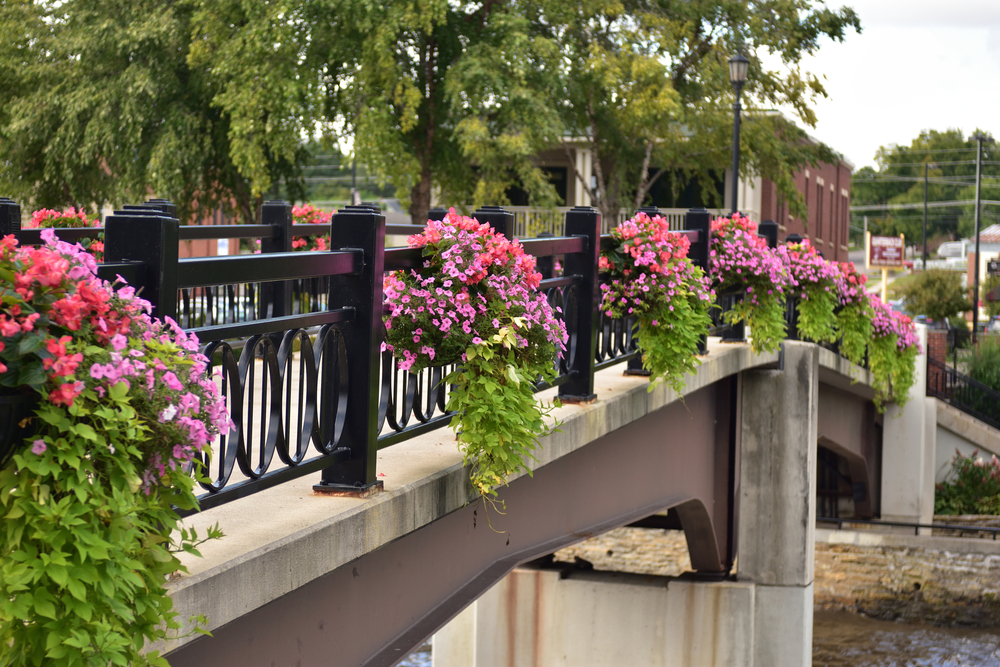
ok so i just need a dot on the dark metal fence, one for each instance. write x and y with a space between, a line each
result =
961 391
296 336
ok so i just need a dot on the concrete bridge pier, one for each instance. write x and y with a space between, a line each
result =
544 618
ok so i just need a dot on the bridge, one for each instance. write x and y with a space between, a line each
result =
390 545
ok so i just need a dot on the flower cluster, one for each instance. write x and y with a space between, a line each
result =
740 258
741 261
808 270
814 290
474 282
851 284
651 278
310 215
892 352
72 219
476 299
69 335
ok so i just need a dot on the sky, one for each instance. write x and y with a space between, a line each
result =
916 65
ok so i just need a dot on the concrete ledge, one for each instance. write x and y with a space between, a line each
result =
865 538
281 539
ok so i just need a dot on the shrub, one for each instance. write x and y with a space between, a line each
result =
973 486
938 294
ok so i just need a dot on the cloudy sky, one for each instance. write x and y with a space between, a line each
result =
918 64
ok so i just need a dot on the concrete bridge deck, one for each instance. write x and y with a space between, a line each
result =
282 540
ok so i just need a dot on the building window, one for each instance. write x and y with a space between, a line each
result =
819 211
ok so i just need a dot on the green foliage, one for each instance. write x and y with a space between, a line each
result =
648 90
86 553
766 319
899 179
938 294
854 324
669 336
103 107
882 362
816 318
425 88
973 487
984 362
990 283
497 418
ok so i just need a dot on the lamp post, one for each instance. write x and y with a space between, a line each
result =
738 66
980 138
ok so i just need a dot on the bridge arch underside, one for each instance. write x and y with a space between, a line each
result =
848 430
376 609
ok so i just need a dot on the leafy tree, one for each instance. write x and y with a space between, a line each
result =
990 283
462 97
648 89
106 108
937 294
951 171
435 94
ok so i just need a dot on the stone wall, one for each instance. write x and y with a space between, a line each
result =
893 580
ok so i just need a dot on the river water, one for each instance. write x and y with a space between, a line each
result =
843 639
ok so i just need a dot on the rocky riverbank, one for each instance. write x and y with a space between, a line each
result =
944 581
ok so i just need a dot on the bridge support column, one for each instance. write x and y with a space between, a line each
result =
777 510
908 451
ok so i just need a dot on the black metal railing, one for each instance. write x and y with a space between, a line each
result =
297 336
961 529
970 396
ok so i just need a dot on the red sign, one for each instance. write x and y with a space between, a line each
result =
885 251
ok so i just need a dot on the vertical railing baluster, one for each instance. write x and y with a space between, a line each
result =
586 222
276 297
359 228
153 240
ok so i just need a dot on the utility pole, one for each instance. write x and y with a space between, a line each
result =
980 138
924 267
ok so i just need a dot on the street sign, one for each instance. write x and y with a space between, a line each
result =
993 267
885 251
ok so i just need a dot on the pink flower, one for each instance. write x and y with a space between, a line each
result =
38 447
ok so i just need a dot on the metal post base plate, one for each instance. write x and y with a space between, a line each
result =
347 490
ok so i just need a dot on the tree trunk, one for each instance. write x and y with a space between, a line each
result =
420 197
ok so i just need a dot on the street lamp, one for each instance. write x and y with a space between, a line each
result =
738 66
980 138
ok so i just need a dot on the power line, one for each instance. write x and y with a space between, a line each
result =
941 204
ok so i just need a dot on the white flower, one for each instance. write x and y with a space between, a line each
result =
168 413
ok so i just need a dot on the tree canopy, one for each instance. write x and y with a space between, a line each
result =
105 107
215 100
950 159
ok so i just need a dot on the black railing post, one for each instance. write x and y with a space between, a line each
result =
10 217
496 217
364 229
437 213
276 297
153 240
769 230
700 220
583 221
